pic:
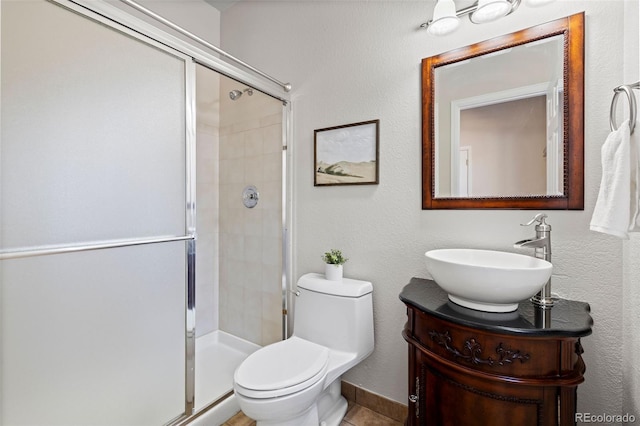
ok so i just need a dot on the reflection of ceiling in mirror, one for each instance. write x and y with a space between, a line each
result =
537 62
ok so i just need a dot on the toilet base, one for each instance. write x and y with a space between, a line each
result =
332 406
335 416
328 410
308 418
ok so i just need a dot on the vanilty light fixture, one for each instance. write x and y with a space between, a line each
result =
446 18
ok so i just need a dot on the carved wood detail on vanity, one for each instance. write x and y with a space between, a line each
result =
470 368
472 350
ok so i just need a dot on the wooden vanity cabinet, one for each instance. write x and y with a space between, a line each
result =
473 368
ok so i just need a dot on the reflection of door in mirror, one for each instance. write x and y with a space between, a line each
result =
554 151
464 182
513 163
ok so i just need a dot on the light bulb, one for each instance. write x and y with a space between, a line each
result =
490 10
444 19
536 3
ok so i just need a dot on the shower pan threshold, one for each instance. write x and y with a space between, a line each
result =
218 354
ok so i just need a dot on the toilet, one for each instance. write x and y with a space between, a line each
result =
296 382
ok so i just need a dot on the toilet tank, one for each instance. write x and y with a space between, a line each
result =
335 314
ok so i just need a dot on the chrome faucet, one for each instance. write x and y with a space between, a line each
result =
542 250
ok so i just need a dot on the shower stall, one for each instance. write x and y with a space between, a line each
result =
240 195
143 220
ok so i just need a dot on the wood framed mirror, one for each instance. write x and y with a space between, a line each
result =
503 121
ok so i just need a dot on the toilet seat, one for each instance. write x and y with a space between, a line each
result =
281 369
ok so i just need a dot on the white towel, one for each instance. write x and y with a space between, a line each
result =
612 213
634 226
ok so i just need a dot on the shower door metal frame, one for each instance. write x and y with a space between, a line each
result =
200 55
118 19
203 42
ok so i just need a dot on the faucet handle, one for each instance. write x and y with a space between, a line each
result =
540 219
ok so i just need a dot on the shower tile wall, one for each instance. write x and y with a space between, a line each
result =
250 239
207 196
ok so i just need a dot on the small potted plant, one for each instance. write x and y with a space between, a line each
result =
334 261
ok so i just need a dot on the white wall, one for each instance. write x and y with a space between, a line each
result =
356 61
631 277
196 16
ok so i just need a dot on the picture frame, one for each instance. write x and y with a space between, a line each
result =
347 154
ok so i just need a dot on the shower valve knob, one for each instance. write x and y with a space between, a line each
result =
250 196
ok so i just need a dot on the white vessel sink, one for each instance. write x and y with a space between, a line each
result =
487 280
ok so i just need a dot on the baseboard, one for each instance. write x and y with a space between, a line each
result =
374 402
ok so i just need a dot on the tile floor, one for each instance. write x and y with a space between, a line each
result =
357 415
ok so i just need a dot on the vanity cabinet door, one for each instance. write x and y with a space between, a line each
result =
455 399
443 396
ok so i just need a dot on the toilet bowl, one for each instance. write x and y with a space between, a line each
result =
296 382
282 381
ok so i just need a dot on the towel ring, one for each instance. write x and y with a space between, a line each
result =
632 105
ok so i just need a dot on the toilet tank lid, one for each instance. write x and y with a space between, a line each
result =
345 288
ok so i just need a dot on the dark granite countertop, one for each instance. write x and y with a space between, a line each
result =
567 317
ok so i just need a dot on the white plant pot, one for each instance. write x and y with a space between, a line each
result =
333 272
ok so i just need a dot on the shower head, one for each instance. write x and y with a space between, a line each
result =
235 94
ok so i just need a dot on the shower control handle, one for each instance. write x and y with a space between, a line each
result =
250 196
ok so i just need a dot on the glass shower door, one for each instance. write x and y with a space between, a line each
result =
93 222
239 141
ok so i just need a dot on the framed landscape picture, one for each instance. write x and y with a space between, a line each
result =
347 154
